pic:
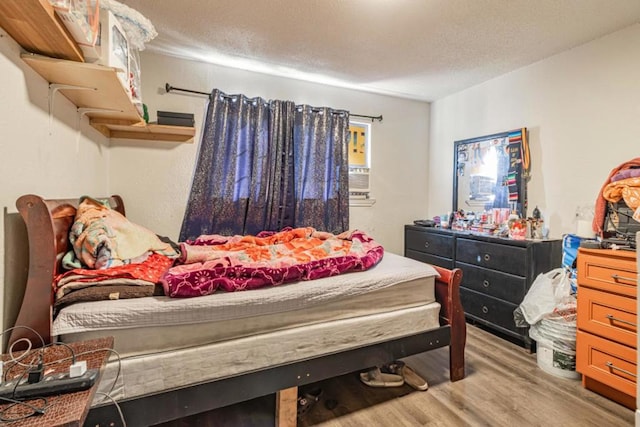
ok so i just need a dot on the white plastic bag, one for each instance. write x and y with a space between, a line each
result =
548 291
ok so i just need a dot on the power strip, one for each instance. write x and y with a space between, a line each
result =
50 384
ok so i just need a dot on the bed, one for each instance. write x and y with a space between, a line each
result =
181 357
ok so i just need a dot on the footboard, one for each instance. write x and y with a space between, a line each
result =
452 313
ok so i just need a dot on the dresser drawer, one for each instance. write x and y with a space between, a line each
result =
503 286
608 315
507 258
431 243
430 259
608 270
610 363
483 307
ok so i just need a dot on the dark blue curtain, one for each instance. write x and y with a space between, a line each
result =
266 165
321 178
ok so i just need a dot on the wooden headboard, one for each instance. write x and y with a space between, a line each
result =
48 223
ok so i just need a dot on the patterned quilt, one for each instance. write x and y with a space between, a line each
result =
234 263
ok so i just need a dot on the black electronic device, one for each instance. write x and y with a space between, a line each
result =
175 119
590 244
50 384
425 222
622 242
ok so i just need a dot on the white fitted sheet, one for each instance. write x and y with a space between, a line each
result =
136 341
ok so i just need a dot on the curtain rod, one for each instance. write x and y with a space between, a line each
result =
168 88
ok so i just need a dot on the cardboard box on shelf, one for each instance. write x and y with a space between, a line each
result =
111 48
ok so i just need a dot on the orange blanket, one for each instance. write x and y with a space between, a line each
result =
236 263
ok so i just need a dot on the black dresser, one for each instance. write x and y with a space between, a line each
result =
497 272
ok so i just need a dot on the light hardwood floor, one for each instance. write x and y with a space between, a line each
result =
504 387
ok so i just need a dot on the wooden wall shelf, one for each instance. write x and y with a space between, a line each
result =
97 90
142 130
36 27
94 89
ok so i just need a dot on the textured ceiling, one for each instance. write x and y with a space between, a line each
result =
418 49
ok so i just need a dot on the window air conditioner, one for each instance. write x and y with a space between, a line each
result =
359 182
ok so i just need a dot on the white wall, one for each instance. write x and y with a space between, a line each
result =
155 178
62 156
582 108
57 156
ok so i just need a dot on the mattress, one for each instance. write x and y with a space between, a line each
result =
226 334
153 373
154 324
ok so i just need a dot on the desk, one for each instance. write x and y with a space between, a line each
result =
68 409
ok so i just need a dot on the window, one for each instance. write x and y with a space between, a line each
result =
359 158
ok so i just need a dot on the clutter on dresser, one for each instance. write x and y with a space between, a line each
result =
425 222
584 219
499 222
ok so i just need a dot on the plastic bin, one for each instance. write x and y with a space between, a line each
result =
556 346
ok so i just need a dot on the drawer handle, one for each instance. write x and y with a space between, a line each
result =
426 244
617 278
487 257
613 367
485 283
615 319
485 310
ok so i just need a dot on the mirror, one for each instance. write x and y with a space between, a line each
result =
489 172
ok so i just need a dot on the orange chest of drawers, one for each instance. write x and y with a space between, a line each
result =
607 323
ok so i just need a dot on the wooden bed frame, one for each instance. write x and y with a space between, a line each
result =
48 223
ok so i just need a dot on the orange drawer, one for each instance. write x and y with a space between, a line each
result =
608 315
610 363
608 270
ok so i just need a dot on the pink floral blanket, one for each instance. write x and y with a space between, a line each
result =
235 263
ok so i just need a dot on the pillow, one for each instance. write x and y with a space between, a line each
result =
102 237
106 292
